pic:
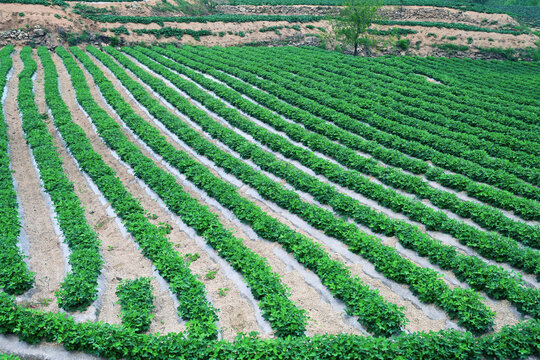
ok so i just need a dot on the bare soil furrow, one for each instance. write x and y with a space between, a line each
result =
46 257
122 258
307 297
336 249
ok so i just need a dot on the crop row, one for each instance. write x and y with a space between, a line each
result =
417 110
227 18
170 32
374 123
491 246
284 316
455 95
116 342
485 216
136 303
79 287
15 278
277 86
194 308
385 259
410 236
375 313
457 26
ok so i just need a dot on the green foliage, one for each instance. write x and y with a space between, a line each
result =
136 303
458 26
353 21
303 156
286 318
403 44
452 47
173 32
119 30
366 304
8 357
160 20
79 288
324 97
115 342
15 277
194 307
393 31
114 41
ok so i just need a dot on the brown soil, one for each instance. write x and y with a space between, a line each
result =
322 321
45 255
506 313
115 248
53 19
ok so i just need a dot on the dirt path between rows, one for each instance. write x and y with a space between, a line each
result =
115 248
122 257
45 254
506 313
417 317
322 317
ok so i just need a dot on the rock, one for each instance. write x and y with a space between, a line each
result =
39 32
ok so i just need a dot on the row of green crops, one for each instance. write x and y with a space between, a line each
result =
194 308
485 216
375 313
313 101
385 259
444 256
227 18
284 316
174 32
380 121
15 278
116 342
79 288
456 26
34 2
136 301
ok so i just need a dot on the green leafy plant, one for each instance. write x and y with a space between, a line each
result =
210 275
222 291
354 19
136 303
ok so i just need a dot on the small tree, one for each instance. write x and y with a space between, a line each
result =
353 22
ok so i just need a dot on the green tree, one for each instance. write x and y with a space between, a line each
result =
353 21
